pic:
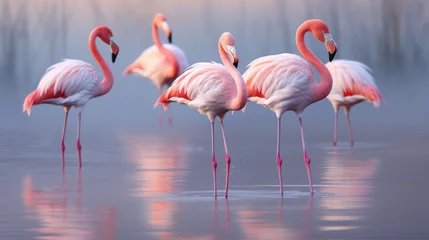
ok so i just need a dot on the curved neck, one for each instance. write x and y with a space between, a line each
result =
325 85
107 82
240 98
175 67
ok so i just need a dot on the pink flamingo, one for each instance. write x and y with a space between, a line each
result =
213 90
71 83
285 82
352 84
161 63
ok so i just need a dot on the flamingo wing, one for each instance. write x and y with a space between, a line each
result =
70 82
154 65
202 84
352 79
279 80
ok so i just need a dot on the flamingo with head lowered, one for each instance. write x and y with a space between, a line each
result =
161 63
72 83
285 82
213 90
353 84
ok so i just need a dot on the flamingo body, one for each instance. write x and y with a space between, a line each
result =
206 87
156 66
282 82
352 84
70 83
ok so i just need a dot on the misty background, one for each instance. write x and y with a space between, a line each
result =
390 36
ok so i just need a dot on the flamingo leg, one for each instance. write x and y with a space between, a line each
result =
335 128
170 119
78 145
278 158
63 146
347 111
227 158
307 160
214 163
160 110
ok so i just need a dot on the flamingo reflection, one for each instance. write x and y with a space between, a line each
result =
161 168
350 176
60 218
261 223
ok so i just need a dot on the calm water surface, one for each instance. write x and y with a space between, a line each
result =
142 181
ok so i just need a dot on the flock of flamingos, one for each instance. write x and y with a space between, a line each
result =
282 82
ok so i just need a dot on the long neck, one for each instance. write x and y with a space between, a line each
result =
174 65
107 82
240 99
325 85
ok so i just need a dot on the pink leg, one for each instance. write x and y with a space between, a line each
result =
214 163
160 110
63 146
335 127
170 119
278 158
78 145
347 111
227 159
307 160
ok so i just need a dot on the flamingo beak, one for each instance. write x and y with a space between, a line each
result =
170 38
330 45
167 30
235 62
332 55
114 49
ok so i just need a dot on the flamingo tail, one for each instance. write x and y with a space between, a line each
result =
29 101
163 99
131 68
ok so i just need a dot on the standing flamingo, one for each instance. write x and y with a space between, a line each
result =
161 63
71 83
213 90
352 84
285 82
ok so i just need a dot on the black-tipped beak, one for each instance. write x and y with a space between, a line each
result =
332 55
235 63
170 38
114 55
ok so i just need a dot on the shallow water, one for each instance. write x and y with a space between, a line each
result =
143 181
155 184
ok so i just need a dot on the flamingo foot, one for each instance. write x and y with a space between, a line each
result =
279 169
307 161
228 163
334 143
214 164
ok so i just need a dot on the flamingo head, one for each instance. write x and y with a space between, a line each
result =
161 21
228 44
106 36
321 32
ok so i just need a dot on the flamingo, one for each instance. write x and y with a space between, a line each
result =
285 82
72 83
212 89
161 63
352 84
